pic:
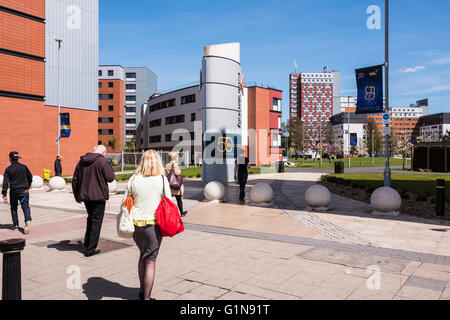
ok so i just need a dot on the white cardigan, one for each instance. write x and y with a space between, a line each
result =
147 193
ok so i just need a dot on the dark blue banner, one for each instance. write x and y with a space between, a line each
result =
370 90
65 125
354 139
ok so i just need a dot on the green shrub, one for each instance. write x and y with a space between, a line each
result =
370 189
433 200
123 177
340 181
421 198
199 175
347 183
332 179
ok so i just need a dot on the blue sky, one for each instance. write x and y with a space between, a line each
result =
169 36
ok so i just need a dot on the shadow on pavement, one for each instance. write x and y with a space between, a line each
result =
5 226
98 288
67 245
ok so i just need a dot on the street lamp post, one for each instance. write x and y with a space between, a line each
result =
387 170
349 138
373 152
123 139
59 41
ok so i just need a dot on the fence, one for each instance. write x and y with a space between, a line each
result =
132 159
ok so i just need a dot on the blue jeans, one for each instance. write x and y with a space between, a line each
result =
24 199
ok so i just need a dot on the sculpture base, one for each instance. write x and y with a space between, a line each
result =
386 214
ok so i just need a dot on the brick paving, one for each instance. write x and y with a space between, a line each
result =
209 262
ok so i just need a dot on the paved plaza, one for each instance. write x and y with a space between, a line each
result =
234 251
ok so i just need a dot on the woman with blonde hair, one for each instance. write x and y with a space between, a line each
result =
146 187
177 193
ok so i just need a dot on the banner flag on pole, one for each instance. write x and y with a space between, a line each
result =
370 90
65 125
354 139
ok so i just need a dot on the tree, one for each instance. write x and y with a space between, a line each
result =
404 146
113 143
297 134
371 129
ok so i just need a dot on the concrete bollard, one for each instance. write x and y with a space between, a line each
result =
12 277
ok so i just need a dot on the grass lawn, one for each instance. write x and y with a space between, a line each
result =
354 162
422 185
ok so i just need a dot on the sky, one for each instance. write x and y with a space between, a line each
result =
168 37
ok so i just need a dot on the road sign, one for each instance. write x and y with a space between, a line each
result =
57 141
386 129
386 117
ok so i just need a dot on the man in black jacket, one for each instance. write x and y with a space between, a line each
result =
18 178
58 167
90 185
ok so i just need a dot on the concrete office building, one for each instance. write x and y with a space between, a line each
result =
343 126
138 84
29 84
176 116
435 124
404 119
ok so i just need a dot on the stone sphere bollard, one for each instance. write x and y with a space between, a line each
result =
318 196
112 187
261 192
1 179
214 191
57 184
386 200
37 183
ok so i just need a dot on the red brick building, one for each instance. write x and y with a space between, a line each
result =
27 124
264 119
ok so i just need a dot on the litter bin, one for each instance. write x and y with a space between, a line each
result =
280 166
338 167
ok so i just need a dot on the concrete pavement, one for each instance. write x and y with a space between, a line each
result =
236 252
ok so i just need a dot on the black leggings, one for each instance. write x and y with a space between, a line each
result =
180 203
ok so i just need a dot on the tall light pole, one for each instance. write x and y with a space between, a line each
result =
59 41
387 170
373 151
123 138
349 138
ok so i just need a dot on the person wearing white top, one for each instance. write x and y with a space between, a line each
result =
146 188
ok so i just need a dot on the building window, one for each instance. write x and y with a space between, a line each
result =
175 119
110 73
105 120
188 99
110 108
131 109
155 123
131 86
106 132
130 75
169 137
99 108
100 85
110 84
100 73
155 139
193 117
131 121
162 105
105 96
276 104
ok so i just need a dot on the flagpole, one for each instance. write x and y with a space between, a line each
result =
59 108
387 170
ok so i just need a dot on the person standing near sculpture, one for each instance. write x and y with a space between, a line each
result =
18 178
90 185
177 191
241 174
58 166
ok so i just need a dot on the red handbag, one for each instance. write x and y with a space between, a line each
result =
168 217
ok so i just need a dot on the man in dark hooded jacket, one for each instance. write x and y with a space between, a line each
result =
90 185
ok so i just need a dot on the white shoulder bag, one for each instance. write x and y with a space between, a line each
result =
125 223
